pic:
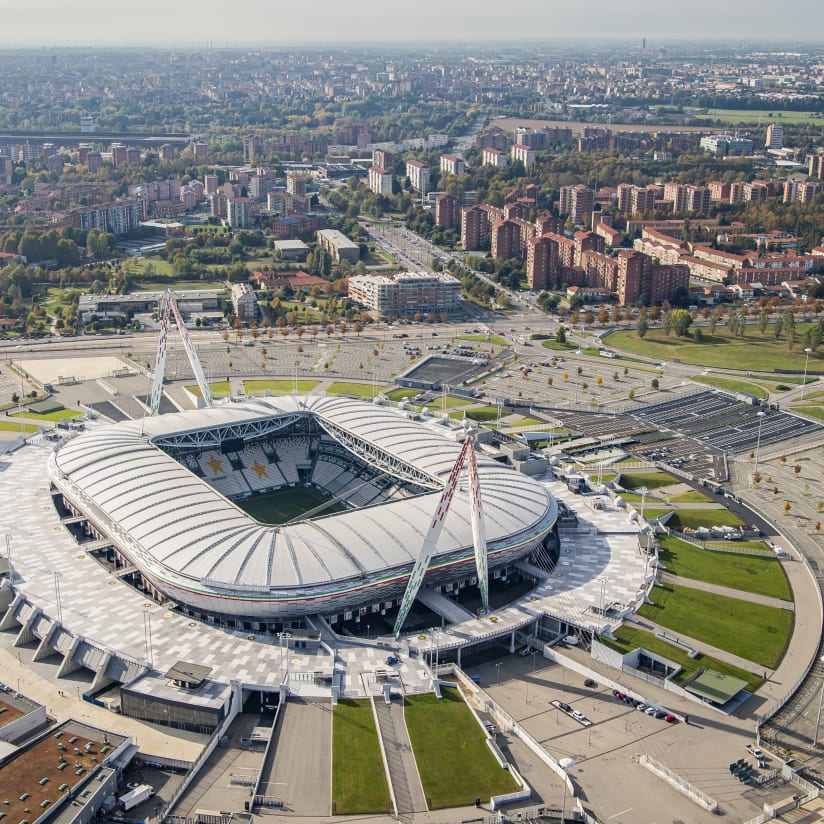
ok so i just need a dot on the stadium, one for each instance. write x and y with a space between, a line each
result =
271 509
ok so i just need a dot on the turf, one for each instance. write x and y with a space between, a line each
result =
762 576
360 390
651 480
453 760
694 518
691 497
628 638
11 426
219 389
735 117
359 783
752 631
494 339
287 504
731 385
277 387
760 353
54 417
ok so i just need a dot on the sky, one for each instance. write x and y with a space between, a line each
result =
281 22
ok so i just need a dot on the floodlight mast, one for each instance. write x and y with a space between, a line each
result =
466 456
160 360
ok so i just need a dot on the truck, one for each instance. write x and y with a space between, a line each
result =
136 796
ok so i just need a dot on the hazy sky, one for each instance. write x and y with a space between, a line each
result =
249 22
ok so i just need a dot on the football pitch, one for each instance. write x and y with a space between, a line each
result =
286 505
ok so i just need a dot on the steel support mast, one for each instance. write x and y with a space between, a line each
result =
467 454
160 361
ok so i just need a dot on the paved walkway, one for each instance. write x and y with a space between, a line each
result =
152 739
729 592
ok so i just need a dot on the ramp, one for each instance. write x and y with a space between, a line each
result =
452 612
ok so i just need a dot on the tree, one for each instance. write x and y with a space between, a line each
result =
681 321
787 507
642 327
654 384
561 335
631 394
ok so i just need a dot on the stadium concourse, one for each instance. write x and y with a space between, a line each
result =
70 600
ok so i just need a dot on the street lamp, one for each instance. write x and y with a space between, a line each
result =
57 597
643 492
807 353
498 667
565 764
818 717
761 416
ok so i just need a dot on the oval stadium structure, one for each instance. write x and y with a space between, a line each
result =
172 492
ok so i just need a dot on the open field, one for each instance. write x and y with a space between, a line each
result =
497 340
691 497
11 426
277 387
628 638
731 385
651 480
53 417
358 778
453 760
735 117
361 390
287 504
754 632
760 353
762 576
693 518
219 389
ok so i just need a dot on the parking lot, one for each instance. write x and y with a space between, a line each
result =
606 752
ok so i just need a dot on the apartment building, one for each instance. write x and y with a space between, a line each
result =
406 293
509 238
522 153
452 165
338 245
380 181
118 218
476 225
577 202
295 183
239 212
493 157
418 174
447 211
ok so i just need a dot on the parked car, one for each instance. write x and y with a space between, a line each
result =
590 683
564 707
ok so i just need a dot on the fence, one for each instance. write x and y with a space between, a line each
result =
682 785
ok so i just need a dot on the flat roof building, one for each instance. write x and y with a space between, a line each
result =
406 293
338 245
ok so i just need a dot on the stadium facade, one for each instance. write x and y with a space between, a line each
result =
168 493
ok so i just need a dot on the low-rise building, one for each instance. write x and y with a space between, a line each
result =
338 245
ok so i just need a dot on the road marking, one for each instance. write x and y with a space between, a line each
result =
627 810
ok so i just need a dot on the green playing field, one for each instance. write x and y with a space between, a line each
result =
287 504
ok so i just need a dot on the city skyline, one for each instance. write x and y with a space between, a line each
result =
90 23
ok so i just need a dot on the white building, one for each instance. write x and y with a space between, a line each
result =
493 157
244 301
418 174
380 181
406 293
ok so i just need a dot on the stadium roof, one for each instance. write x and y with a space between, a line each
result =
185 533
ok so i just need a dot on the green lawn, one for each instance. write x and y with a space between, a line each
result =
287 504
453 760
812 411
735 117
176 285
731 385
452 402
754 632
760 353
691 497
137 266
651 480
11 426
762 576
401 394
54 417
362 390
628 638
219 389
277 387
693 518
483 414
495 339
358 778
